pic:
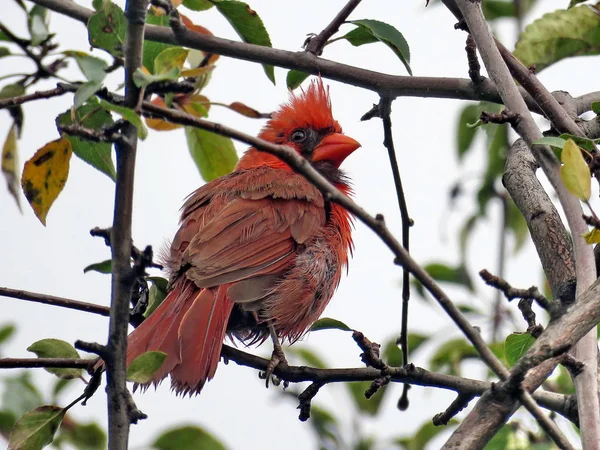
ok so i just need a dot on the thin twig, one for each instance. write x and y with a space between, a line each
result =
55 301
31 363
457 405
473 61
527 128
295 374
511 293
14 101
384 84
316 44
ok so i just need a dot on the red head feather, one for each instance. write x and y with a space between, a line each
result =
311 109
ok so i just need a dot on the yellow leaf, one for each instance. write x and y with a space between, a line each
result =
9 163
45 175
592 237
575 173
196 105
193 73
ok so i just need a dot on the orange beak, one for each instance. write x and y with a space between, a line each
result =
335 148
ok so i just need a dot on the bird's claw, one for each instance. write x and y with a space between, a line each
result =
277 358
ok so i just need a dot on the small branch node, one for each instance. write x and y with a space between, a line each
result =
132 411
376 385
574 366
103 233
305 399
92 347
474 66
459 403
370 355
505 116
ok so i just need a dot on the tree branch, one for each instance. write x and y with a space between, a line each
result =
317 43
589 414
61 363
384 84
121 410
14 101
294 374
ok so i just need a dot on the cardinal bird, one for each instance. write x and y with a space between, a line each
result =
259 252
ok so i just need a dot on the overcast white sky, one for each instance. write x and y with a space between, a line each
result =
235 406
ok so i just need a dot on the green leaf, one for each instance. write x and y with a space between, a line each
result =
583 142
7 422
89 436
197 5
100 267
517 224
360 36
370 406
558 35
145 366
516 345
94 69
12 90
465 134
307 356
575 173
295 78
153 49
107 29
248 25
56 348
596 107
465 233
575 2
170 58
129 115
156 294
97 4
390 36
142 79
327 428
502 439
84 92
392 353
497 136
59 386
96 154
36 428
552 141
4 51
20 394
327 323
213 154
6 332
451 354
37 23
187 438
423 436
456 275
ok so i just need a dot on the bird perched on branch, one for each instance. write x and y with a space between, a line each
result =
259 252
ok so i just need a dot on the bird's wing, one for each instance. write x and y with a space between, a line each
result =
246 226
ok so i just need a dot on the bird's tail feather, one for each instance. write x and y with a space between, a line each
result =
189 326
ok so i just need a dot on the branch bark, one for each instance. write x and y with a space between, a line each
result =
558 403
585 270
119 400
384 84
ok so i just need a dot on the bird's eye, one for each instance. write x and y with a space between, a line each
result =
298 135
